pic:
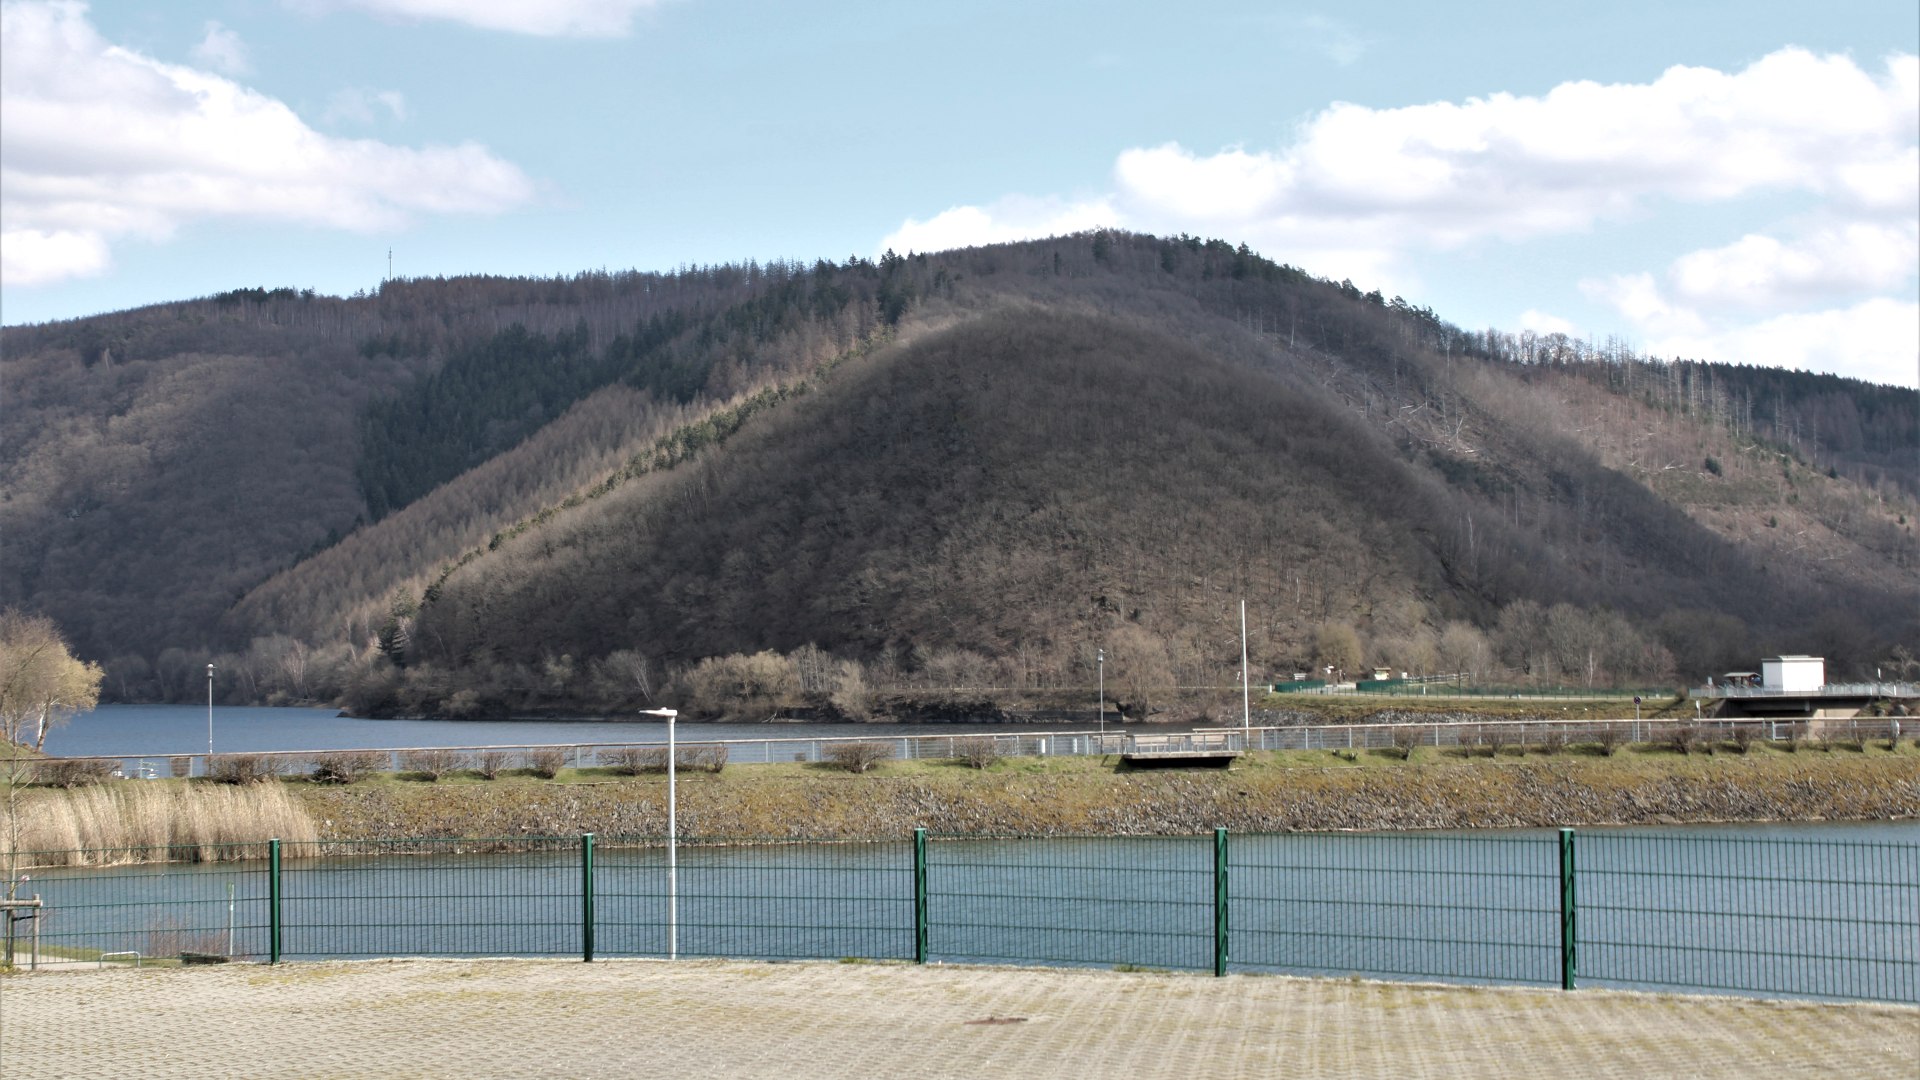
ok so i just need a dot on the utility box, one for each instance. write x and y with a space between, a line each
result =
1793 674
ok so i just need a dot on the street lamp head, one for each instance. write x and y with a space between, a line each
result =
668 713
209 671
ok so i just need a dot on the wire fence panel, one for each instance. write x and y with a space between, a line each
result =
1731 913
152 911
757 901
510 897
1130 901
1815 918
1459 908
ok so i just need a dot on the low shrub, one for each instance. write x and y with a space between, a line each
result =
1743 736
977 753
1682 738
1553 739
486 764
344 767
634 760
692 757
546 764
64 773
240 769
1609 738
1407 738
858 757
1494 738
429 765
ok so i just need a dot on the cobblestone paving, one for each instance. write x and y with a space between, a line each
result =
794 1021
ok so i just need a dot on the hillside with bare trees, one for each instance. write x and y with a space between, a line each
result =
963 470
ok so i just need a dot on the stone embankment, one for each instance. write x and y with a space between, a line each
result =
1565 790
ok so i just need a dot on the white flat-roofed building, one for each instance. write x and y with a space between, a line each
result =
1793 674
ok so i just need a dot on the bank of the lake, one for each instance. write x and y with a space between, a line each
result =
1264 792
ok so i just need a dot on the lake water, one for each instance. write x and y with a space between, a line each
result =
158 730
1824 910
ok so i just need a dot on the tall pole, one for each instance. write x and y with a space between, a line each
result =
1246 692
673 845
209 718
1100 660
673 836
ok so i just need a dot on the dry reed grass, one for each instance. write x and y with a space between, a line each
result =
140 822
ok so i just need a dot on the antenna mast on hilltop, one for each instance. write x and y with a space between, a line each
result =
389 264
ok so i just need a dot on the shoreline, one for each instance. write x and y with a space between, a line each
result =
1017 797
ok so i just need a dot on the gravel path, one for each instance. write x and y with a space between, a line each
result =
519 1018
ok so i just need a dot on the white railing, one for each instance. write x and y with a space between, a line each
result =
1841 690
1369 736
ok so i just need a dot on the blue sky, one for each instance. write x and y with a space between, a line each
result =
1734 181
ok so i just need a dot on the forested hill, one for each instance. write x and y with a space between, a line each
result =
484 495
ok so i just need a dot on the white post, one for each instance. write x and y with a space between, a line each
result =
1246 693
673 844
673 836
209 719
1100 657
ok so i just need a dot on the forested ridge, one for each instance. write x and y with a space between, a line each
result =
931 472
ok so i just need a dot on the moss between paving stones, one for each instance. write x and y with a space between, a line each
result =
1088 797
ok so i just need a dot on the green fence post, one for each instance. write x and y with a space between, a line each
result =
1219 902
1569 914
586 898
273 901
919 896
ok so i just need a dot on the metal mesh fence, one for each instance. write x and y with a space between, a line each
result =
1468 909
470 897
1129 901
757 900
1751 915
1731 913
203 906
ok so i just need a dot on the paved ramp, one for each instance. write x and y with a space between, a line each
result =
797 1021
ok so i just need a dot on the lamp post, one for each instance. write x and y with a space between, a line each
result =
673 838
1100 661
209 718
1246 692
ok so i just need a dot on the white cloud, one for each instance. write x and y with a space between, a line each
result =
1877 340
361 106
1013 218
542 18
1710 307
1367 187
98 143
31 257
1638 297
1358 191
1542 323
223 50
1761 272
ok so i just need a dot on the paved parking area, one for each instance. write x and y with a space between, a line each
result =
523 1018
